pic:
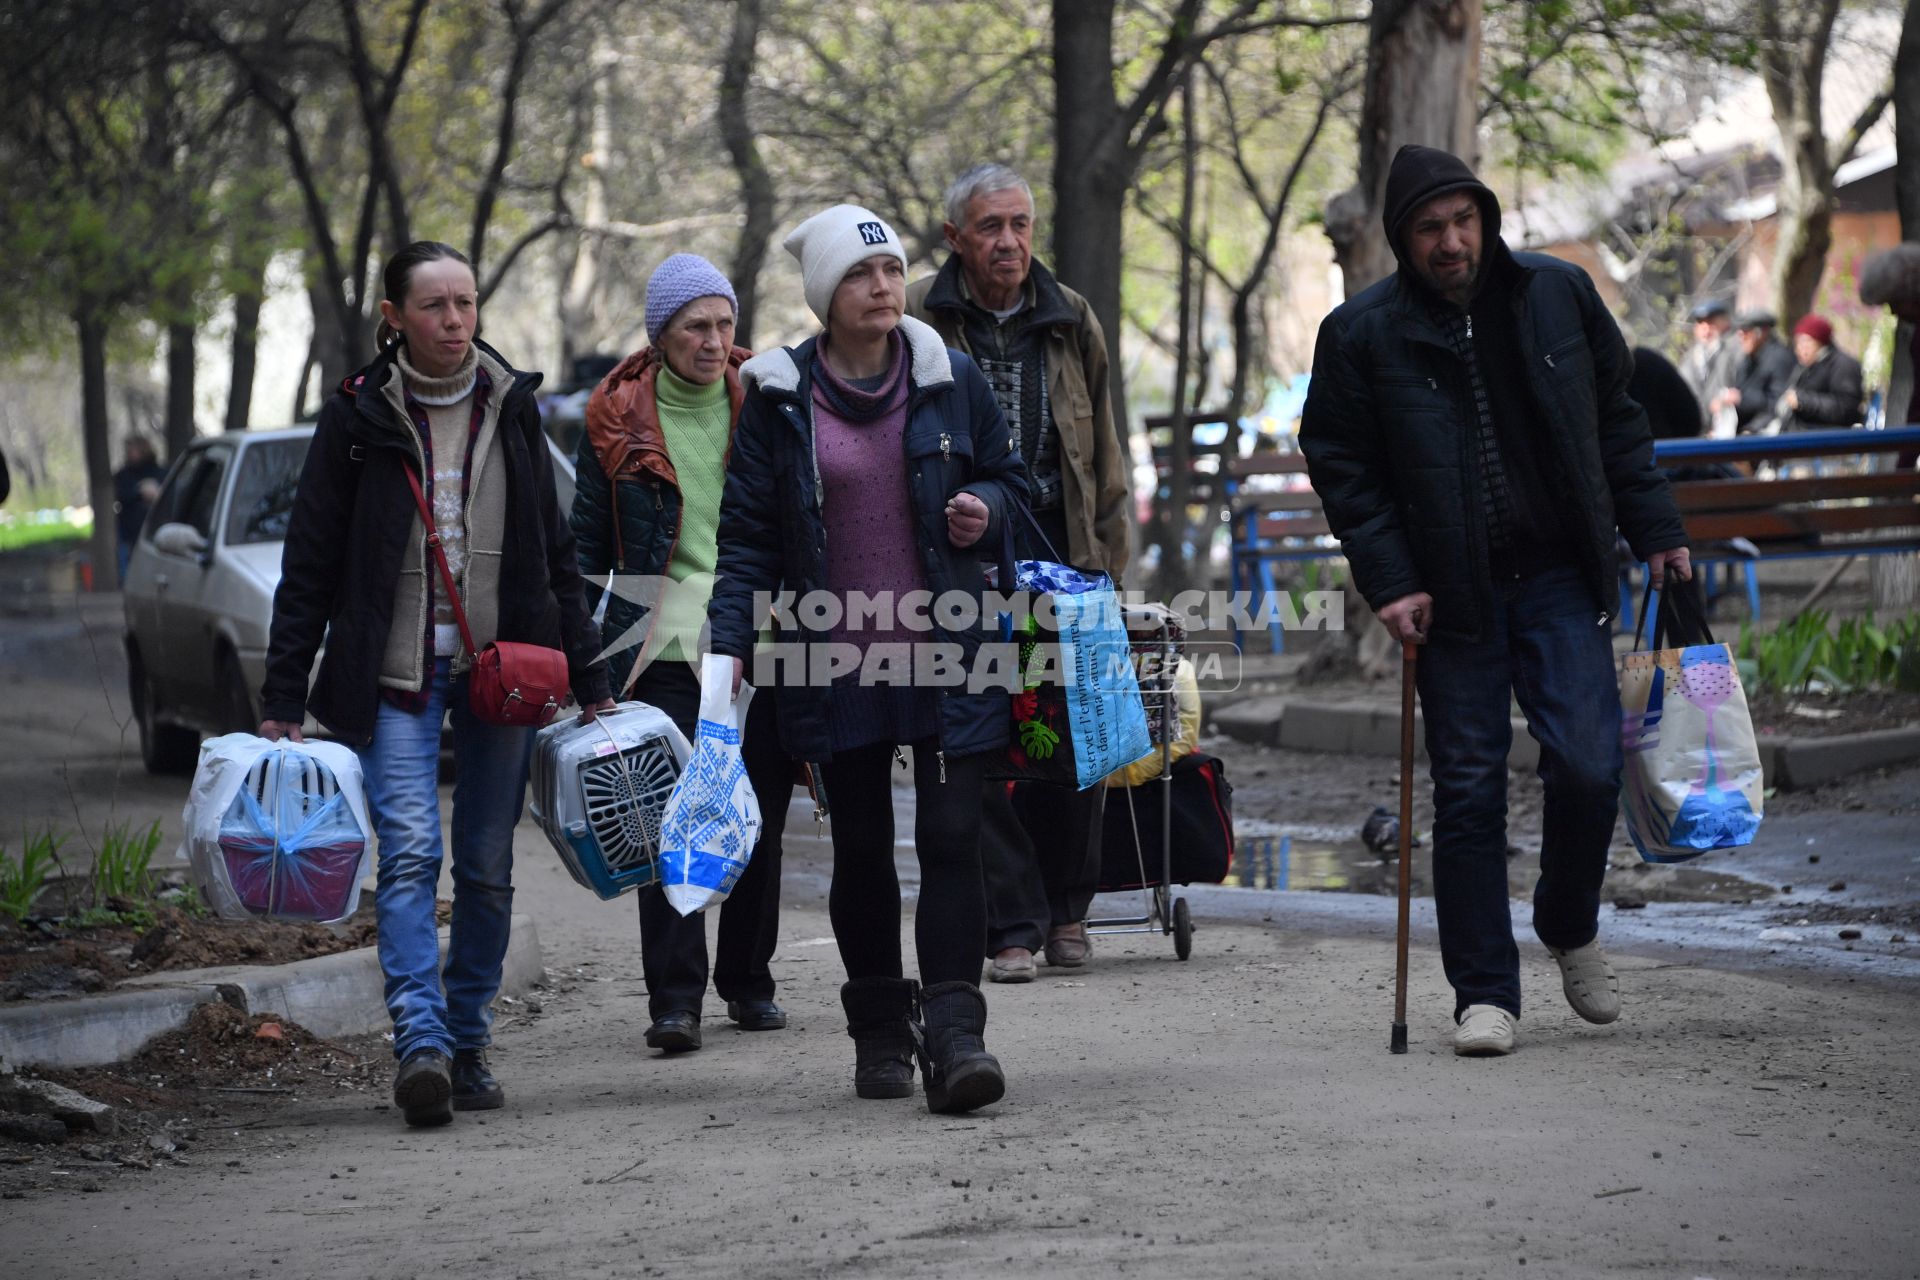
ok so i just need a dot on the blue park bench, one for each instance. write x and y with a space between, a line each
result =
1865 510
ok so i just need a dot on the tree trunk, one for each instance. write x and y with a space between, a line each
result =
1176 566
1423 82
756 184
332 321
245 349
1091 168
179 429
1906 124
1793 56
103 548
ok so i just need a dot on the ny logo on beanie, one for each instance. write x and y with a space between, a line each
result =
872 232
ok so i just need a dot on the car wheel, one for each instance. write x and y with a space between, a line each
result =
237 714
164 748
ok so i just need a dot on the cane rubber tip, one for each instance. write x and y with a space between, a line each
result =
1399 1044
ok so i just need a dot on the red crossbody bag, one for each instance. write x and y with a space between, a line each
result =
509 683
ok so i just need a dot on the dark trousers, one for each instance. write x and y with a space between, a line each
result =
1040 853
1543 647
673 947
950 919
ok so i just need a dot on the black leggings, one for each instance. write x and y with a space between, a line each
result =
950 922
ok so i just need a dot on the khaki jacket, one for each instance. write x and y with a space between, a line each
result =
1096 459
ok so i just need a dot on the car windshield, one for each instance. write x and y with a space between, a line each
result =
263 491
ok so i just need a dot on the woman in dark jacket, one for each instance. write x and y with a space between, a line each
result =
873 460
659 424
358 570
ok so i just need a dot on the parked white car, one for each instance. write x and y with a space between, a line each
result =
199 588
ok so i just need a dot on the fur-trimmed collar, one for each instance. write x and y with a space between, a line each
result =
776 371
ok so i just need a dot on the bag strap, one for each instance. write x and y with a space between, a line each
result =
440 558
1671 614
1040 533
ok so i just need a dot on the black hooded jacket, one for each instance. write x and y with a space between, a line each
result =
1390 425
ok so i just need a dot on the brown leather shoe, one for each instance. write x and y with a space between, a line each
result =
1012 964
1068 946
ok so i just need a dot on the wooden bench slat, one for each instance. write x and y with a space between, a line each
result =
1286 500
1267 464
1761 526
1292 526
1729 495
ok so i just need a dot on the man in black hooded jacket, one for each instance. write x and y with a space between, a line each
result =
1469 432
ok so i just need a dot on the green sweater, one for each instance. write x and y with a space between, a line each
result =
695 421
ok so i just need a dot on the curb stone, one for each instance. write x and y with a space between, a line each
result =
334 995
1372 728
1356 727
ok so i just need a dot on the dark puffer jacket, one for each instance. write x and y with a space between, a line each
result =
1829 391
346 537
1389 426
773 530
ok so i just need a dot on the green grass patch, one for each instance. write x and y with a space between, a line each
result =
18 535
1856 654
24 878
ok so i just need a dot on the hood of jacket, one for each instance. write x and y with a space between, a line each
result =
1419 174
623 414
777 372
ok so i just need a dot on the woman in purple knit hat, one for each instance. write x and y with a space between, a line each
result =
871 462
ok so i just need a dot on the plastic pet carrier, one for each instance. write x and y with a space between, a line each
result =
278 829
599 791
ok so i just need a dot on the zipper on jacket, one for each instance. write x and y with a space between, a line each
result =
1469 324
941 756
946 447
1549 359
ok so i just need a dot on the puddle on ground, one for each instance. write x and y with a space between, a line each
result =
1273 855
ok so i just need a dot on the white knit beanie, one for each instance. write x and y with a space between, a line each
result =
829 244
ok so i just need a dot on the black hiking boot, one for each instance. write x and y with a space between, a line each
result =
880 1020
960 1074
474 1088
423 1088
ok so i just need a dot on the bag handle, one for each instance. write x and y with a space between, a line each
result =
1671 614
440 558
1040 533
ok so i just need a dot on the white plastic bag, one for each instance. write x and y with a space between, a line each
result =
713 819
278 829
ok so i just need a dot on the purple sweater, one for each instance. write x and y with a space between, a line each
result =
863 469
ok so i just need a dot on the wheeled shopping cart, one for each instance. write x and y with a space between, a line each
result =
1156 640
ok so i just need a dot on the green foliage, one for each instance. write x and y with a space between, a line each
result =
1856 654
16 534
22 881
121 867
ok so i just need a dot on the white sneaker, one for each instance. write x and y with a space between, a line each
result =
1588 980
1485 1031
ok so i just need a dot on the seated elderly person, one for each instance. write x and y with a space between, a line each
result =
1826 391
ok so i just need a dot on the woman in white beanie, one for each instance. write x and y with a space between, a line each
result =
871 459
646 506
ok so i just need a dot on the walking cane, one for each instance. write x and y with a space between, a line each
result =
1408 654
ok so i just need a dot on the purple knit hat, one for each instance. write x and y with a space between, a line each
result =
678 281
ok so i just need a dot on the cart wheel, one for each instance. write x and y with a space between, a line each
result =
1182 929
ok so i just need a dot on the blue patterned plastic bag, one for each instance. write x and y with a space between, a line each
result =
712 820
1105 722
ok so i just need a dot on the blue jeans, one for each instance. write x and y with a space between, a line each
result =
402 767
1543 645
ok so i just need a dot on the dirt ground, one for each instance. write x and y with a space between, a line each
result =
1234 1115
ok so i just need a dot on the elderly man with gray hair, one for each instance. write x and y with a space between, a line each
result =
1045 357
